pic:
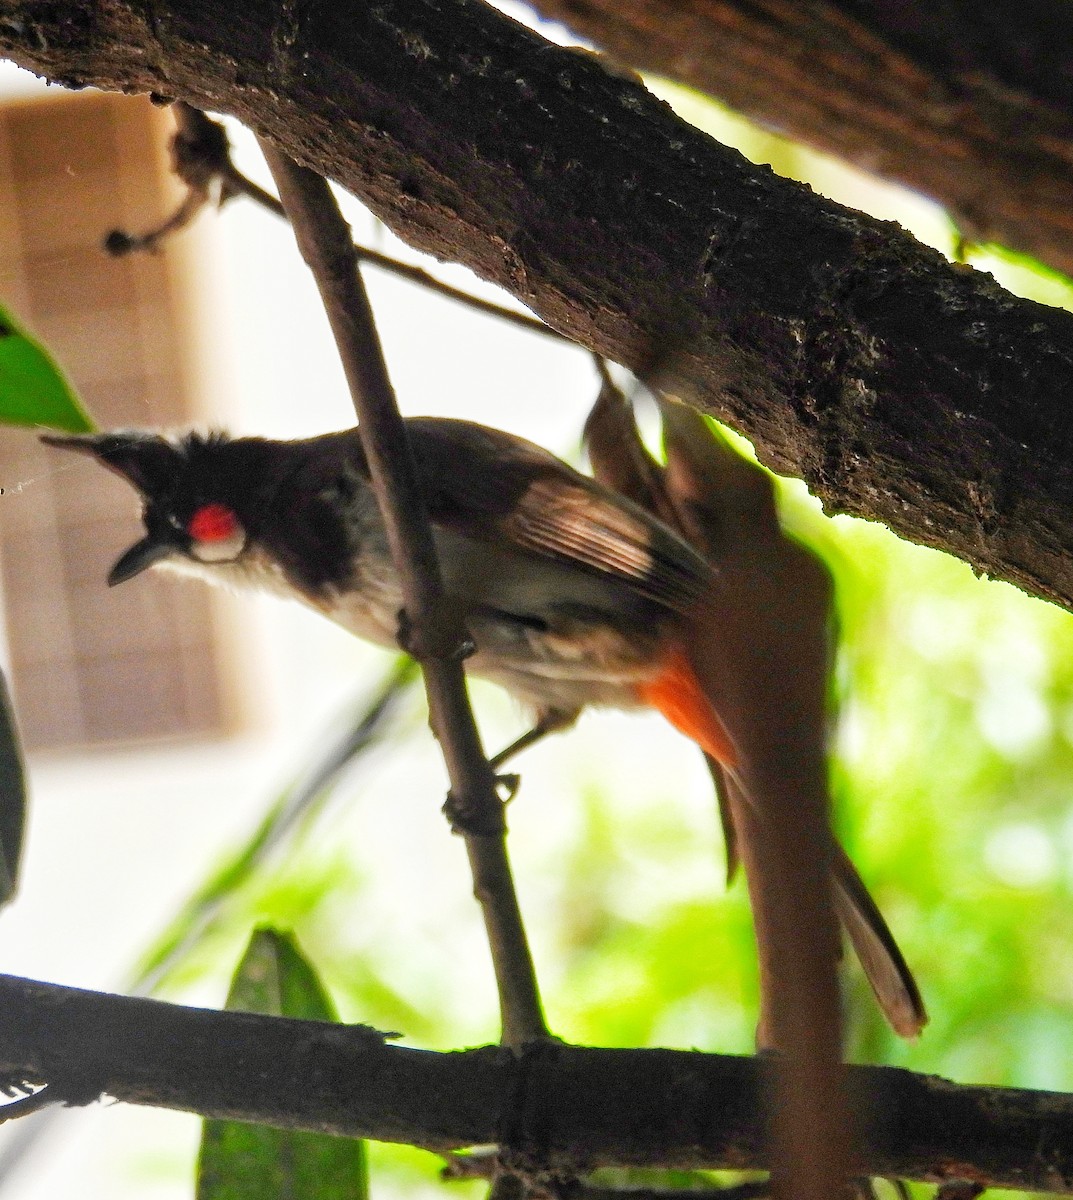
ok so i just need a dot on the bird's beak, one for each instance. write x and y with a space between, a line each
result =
140 556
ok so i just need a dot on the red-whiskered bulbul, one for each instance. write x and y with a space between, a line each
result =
573 595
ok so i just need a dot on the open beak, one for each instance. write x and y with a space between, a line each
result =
139 557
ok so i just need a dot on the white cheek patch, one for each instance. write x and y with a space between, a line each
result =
225 549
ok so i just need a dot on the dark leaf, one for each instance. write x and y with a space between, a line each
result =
253 1162
12 797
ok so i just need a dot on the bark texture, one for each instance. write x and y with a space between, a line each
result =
901 388
565 1109
970 103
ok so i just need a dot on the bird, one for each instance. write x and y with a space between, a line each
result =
574 595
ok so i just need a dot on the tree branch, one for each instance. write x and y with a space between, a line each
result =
561 1108
900 387
971 104
434 632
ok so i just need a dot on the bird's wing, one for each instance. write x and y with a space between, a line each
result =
489 486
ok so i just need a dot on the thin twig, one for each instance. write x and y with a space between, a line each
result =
434 632
118 242
201 156
237 184
417 275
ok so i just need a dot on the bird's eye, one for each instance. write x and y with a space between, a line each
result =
216 534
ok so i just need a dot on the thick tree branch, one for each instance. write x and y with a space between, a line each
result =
970 103
201 157
899 387
561 1108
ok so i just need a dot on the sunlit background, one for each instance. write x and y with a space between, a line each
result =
953 762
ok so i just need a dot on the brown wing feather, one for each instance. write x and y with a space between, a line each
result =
484 483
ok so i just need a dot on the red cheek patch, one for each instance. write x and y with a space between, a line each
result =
212 523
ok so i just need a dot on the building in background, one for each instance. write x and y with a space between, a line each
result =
89 668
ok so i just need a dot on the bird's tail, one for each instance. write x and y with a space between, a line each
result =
887 971
749 682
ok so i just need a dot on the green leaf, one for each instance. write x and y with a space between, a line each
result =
255 1162
12 797
33 389
274 979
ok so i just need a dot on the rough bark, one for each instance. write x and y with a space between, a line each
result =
970 103
899 387
558 1108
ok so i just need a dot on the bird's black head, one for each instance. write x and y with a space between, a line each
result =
198 493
